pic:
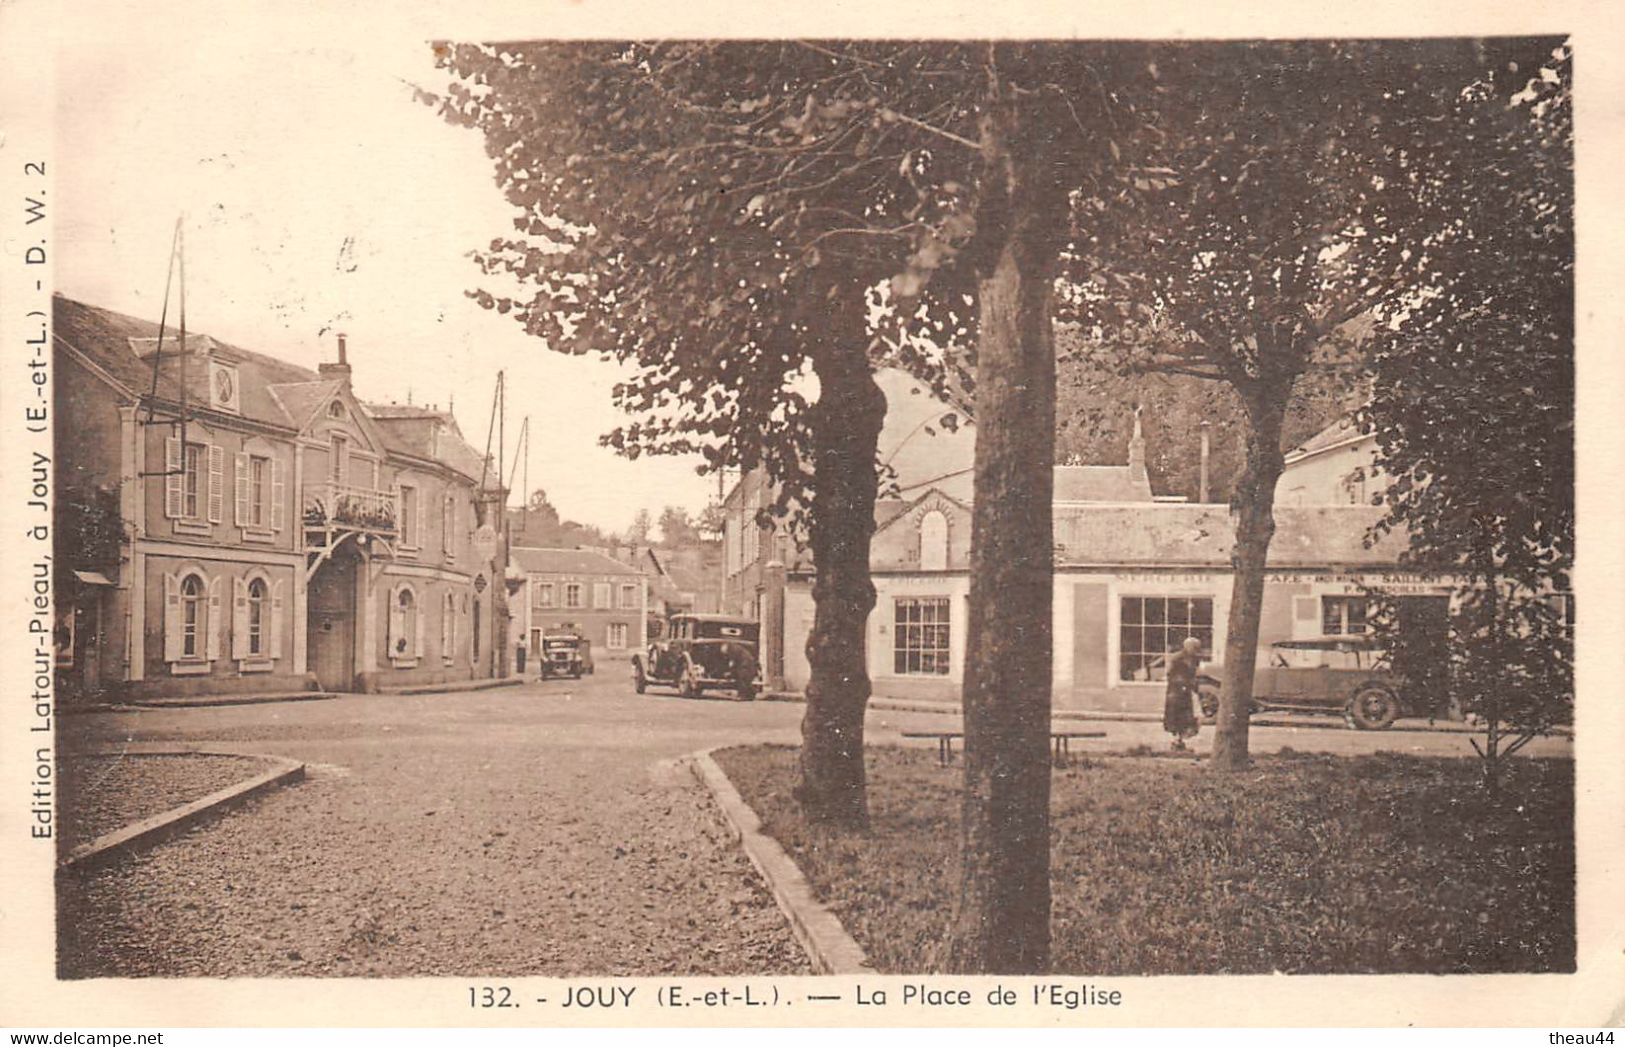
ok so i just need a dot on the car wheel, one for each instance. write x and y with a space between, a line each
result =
640 683
1209 699
688 684
1374 708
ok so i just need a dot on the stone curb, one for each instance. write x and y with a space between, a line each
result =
205 700
160 827
453 686
828 946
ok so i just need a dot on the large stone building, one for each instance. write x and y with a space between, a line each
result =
230 522
1134 574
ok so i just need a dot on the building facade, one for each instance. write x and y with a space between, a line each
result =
264 530
1134 574
601 598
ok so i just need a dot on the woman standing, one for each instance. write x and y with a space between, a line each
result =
1178 715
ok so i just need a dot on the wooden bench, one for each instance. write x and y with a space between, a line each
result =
1060 742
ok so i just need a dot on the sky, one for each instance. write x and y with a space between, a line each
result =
318 197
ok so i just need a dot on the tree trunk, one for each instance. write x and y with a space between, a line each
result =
1254 510
845 432
1001 919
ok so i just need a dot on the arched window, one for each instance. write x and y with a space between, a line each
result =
405 635
192 590
934 541
257 594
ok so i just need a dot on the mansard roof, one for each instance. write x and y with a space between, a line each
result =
271 391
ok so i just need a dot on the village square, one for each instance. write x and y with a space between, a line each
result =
1087 558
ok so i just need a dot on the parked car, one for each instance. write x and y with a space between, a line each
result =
1338 675
700 651
564 653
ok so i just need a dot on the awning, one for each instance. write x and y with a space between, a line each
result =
92 578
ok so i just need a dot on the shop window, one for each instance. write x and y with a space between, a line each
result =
1343 615
920 637
1152 628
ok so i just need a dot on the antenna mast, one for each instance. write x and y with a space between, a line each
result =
177 260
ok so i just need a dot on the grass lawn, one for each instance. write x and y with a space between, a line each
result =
1305 864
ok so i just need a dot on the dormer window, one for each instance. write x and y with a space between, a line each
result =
335 409
934 541
223 390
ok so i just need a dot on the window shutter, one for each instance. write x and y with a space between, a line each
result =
242 491
403 525
239 618
172 617
394 630
417 633
211 624
172 477
279 493
275 646
417 536
1305 609
217 471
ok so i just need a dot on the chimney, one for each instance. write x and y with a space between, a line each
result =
1202 491
1136 451
340 370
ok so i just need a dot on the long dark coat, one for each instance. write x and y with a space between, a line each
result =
1178 714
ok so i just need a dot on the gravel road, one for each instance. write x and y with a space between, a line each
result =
531 830
536 831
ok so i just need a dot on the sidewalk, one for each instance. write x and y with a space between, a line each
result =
187 701
209 700
1277 719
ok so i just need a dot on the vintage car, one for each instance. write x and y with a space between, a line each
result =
700 651
565 652
1340 675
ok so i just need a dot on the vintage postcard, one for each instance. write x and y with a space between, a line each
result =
580 516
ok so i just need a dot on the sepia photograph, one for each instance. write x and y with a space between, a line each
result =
1082 510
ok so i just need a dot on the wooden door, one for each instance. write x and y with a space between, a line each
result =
331 633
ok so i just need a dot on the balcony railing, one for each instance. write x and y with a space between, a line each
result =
343 507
